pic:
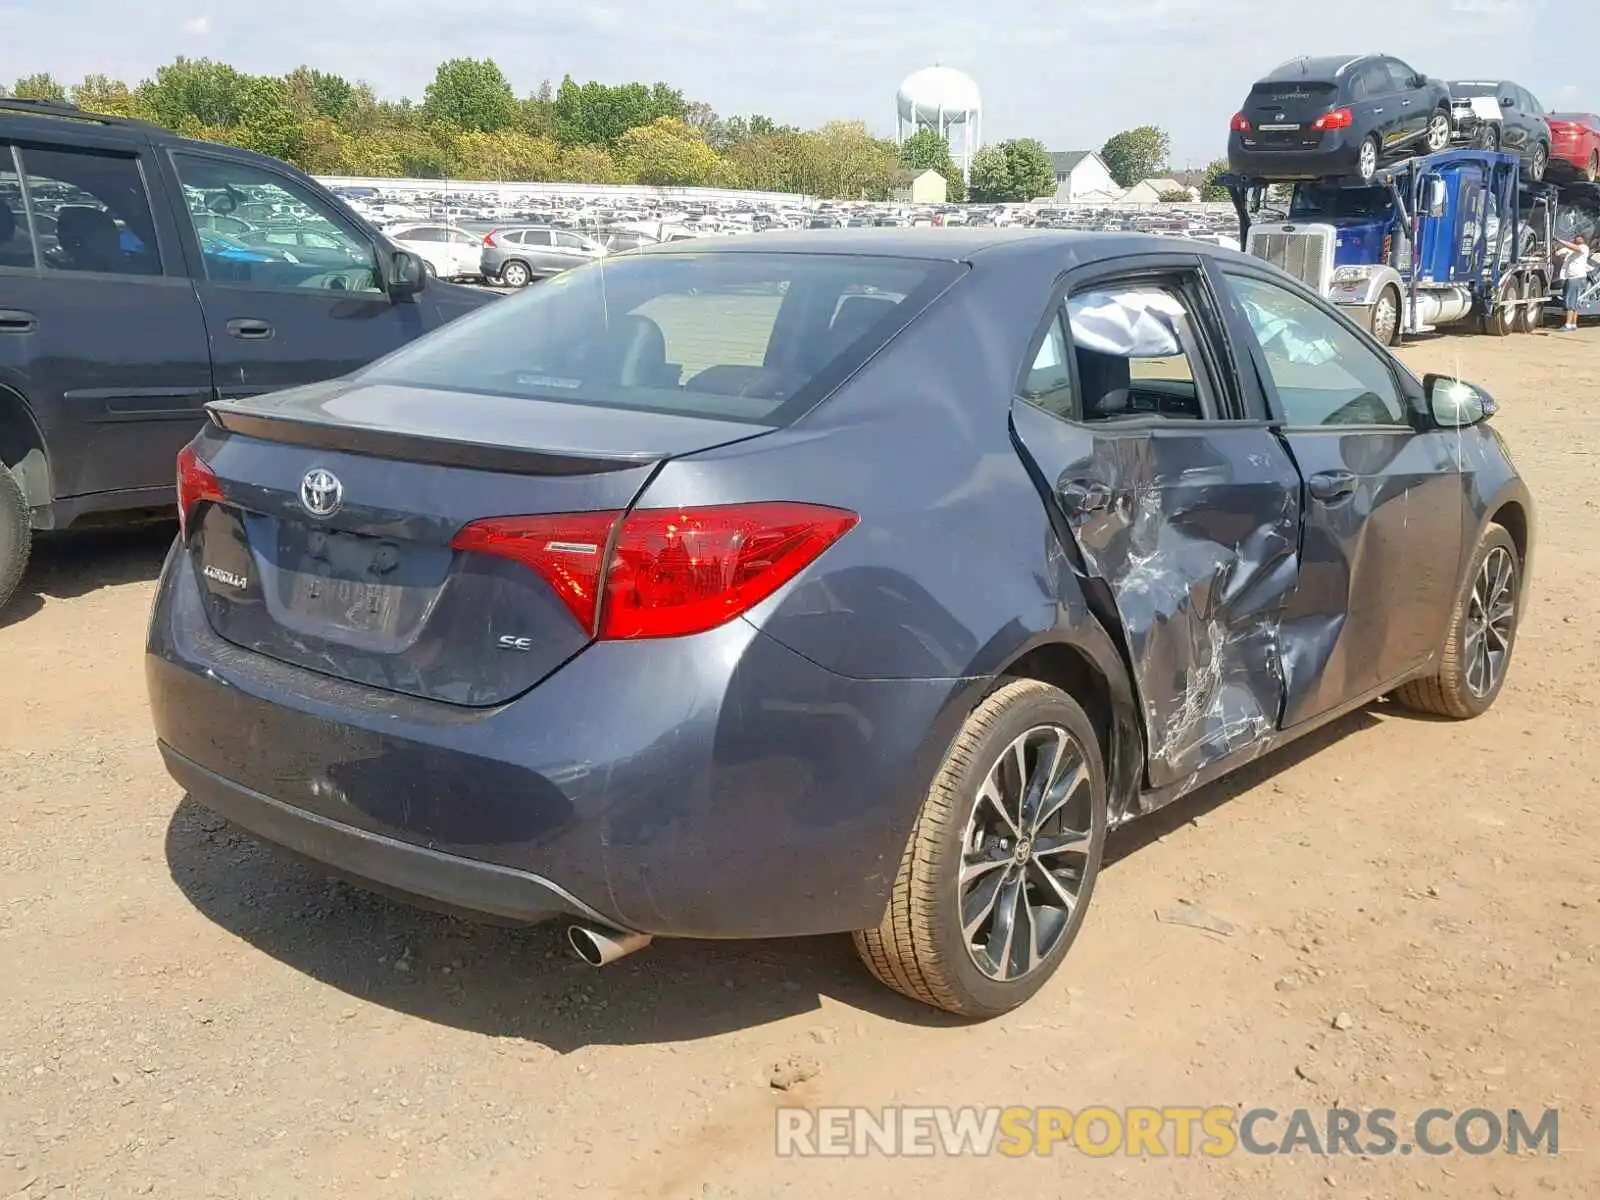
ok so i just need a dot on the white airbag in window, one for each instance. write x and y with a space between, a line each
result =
1131 324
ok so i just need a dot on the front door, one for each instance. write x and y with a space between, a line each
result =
278 315
1184 518
99 326
1380 555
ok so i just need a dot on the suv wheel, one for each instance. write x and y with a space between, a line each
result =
1438 135
996 878
516 274
1540 163
1592 171
16 534
1367 159
1488 137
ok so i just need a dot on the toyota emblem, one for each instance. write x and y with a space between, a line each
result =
321 492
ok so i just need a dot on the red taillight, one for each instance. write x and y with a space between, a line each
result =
567 549
1240 123
488 238
671 572
196 482
1339 118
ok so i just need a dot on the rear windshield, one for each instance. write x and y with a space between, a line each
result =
1284 93
742 336
1468 90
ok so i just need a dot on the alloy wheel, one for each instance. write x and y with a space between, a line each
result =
1025 853
514 275
1438 132
1541 161
1367 164
1593 173
1491 622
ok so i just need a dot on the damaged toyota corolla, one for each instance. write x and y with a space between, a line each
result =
851 581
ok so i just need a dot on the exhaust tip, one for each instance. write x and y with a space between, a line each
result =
597 946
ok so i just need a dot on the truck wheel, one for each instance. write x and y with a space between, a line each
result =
1386 323
1367 159
997 875
16 534
1531 314
1500 321
1482 634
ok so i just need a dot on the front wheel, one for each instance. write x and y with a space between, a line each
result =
997 875
1386 323
1487 137
16 534
1482 634
1437 137
1540 163
428 269
1592 171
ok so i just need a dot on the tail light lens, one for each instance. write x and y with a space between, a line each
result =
669 572
1240 123
196 482
488 238
1339 118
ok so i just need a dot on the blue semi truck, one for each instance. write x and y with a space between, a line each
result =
1442 239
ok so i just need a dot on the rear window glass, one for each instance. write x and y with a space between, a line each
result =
742 336
1283 93
1474 89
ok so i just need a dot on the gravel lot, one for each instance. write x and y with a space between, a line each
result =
184 1014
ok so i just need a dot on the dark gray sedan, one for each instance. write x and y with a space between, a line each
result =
833 581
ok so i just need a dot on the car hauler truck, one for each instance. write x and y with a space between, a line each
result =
1441 239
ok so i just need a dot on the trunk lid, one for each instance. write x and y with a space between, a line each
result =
331 548
1281 114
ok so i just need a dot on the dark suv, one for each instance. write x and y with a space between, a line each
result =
1313 118
1501 115
127 302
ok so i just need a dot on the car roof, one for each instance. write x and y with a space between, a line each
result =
1322 68
952 244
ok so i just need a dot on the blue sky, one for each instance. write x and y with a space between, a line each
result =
1068 72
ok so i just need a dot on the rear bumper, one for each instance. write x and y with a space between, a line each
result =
713 786
415 871
1337 155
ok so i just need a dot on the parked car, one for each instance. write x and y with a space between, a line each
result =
1575 146
448 252
1339 115
1501 115
122 315
608 603
516 257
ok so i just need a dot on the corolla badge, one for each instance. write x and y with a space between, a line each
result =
321 493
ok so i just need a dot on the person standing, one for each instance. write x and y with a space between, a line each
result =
1575 277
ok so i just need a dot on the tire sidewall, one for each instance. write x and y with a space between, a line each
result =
511 271
1035 708
1427 143
16 534
1377 158
1494 536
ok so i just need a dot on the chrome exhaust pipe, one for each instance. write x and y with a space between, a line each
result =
597 945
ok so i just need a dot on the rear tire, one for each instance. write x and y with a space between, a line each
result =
950 937
1367 158
516 274
16 535
1501 320
1592 171
1487 137
1466 683
1531 314
1437 137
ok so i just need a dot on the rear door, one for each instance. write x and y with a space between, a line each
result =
1411 100
1183 514
1379 98
99 326
1383 511
295 319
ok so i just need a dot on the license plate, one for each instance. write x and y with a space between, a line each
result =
349 604
1279 128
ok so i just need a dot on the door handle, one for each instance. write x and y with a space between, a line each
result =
1331 486
14 320
1080 497
249 330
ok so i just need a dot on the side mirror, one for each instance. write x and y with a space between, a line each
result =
404 275
1456 405
1436 197
1419 81
1507 102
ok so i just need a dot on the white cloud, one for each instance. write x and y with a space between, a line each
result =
196 26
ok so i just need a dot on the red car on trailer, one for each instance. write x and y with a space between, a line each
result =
1575 145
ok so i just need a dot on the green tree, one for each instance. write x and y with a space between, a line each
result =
925 150
597 114
267 120
194 90
98 93
507 155
666 153
1012 171
536 116
42 86
1175 196
1211 190
588 164
471 94
1137 154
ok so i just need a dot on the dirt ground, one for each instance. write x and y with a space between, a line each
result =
184 1014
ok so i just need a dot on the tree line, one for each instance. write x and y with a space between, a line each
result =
471 125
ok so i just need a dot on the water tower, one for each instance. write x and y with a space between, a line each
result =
941 99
